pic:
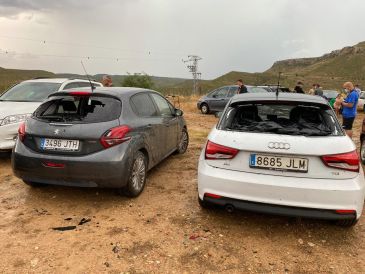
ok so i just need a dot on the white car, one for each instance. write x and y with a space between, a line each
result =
285 155
361 102
20 101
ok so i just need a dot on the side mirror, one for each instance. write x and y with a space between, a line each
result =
214 96
179 112
218 114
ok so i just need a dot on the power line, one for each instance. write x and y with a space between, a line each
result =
86 57
46 42
193 68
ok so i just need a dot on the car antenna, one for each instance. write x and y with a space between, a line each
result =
277 87
88 78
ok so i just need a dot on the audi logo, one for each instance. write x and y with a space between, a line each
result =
278 145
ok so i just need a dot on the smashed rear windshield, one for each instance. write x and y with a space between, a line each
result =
79 109
281 118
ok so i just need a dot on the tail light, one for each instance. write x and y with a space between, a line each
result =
345 211
215 152
21 132
346 161
115 136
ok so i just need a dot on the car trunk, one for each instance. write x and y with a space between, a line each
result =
72 125
310 148
283 139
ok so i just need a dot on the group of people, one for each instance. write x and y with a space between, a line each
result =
347 107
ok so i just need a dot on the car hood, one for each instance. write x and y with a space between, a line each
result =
12 108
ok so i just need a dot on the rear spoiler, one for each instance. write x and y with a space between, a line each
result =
82 93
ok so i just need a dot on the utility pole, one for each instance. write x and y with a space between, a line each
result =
193 68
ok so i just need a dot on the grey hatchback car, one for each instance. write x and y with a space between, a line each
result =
217 99
106 138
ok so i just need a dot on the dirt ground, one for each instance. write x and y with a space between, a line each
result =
163 230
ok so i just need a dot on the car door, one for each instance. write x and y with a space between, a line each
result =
150 125
219 99
169 120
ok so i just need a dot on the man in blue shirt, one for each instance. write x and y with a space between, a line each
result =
349 107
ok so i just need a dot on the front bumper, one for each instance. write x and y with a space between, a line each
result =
107 168
8 135
296 194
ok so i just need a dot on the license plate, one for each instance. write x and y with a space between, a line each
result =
59 144
279 163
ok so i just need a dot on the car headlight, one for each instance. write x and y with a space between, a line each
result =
12 119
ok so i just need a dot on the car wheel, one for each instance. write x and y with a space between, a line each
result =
204 108
362 151
184 142
347 223
137 175
34 184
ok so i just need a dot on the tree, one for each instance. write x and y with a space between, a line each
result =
139 80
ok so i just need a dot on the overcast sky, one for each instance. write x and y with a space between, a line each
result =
153 36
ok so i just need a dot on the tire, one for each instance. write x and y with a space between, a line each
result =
347 223
137 176
362 151
33 184
184 142
204 108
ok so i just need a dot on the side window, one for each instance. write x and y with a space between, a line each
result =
232 91
72 85
162 105
83 84
142 105
221 93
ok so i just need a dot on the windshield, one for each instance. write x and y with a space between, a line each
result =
281 118
256 89
30 92
80 109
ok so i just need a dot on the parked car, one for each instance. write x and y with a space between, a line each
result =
286 156
361 102
273 88
330 94
217 99
107 138
19 102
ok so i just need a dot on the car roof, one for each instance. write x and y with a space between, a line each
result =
283 96
114 91
56 80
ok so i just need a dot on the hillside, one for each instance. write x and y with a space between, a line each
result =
330 70
9 77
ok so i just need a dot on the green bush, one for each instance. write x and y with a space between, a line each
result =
139 80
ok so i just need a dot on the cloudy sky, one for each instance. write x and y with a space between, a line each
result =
153 36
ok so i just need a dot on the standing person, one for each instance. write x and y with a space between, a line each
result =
241 87
349 107
311 91
358 89
299 87
337 102
318 90
107 81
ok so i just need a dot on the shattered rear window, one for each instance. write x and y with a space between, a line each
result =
289 118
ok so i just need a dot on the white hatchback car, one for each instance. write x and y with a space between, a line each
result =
285 155
20 101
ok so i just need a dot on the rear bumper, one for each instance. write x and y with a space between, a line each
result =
8 134
106 168
198 105
280 210
295 194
